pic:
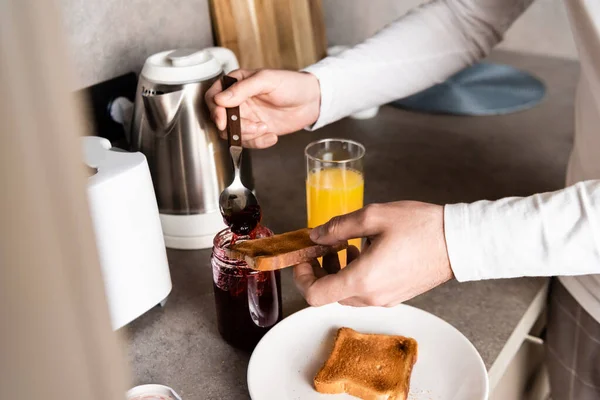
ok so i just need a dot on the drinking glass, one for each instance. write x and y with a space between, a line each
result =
334 181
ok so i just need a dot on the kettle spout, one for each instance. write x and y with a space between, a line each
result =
161 109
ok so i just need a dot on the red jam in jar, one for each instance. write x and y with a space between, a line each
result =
248 302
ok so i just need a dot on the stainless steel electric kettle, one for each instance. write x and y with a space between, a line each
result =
190 165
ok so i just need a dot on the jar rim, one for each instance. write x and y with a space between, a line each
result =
223 238
219 251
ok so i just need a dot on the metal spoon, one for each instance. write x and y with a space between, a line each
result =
237 203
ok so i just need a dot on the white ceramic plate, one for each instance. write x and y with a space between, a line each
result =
287 358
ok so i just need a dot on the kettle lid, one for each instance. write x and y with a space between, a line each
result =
181 66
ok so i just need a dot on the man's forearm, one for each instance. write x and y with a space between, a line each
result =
419 50
548 234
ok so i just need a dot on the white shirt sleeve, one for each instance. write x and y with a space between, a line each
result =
423 48
548 234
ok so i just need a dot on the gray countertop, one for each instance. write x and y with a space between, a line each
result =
441 159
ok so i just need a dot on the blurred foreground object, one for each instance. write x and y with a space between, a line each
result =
56 339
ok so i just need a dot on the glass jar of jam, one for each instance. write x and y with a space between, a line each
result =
248 302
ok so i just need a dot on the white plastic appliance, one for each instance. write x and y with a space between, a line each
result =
128 230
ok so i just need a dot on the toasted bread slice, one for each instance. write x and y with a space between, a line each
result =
281 251
368 366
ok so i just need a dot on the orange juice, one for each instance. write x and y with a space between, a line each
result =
331 192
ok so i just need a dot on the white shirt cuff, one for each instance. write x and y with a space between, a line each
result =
323 74
459 243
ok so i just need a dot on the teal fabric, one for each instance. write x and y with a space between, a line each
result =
482 89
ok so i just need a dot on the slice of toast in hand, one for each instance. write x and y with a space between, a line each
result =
281 251
368 366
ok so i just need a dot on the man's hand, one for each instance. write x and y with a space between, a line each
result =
406 255
272 103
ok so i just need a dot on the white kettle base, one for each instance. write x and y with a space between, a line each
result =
191 232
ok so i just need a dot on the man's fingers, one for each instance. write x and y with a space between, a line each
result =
306 273
241 74
328 289
325 290
358 224
217 111
331 263
354 302
242 90
352 254
260 142
251 129
304 277
346 286
219 115
317 269
256 141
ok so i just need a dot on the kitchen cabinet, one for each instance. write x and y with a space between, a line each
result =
525 377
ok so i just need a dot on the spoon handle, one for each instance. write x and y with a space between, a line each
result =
234 127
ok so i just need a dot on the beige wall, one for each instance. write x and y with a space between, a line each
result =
543 29
111 37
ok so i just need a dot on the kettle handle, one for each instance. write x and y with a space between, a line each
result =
225 57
